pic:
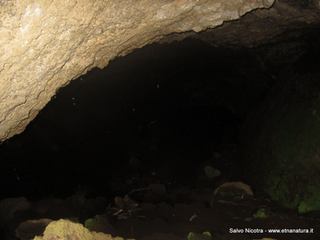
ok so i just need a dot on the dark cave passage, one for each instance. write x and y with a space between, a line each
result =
166 106
184 118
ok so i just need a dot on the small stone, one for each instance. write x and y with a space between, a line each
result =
232 191
261 213
234 187
211 172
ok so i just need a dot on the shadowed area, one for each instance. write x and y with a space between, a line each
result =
171 141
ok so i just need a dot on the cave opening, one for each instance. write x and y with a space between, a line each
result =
161 108
168 115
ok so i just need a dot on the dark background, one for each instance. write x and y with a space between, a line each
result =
159 112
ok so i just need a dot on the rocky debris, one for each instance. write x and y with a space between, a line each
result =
31 228
67 230
172 220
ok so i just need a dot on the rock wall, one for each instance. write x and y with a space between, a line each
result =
281 147
46 43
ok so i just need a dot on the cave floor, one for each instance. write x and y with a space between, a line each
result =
190 210
157 213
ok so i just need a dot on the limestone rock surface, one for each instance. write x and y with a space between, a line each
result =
44 44
287 19
67 230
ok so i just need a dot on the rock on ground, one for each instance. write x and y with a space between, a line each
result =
67 230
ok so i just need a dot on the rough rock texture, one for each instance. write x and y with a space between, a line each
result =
44 44
284 21
282 144
281 156
276 34
66 230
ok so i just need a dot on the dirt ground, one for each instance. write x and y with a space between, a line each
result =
162 212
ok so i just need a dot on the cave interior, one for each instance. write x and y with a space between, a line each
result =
162 128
